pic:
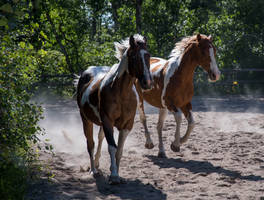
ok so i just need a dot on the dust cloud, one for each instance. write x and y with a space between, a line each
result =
63 130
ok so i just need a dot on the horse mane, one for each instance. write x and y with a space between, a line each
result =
121 47
117 70
181 46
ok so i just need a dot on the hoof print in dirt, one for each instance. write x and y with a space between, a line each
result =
114 180
149 146
175 149
162 155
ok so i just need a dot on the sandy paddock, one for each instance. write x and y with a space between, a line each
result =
223 159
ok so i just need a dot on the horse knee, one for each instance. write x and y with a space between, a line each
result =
178 117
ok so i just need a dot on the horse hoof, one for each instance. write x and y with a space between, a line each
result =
175 149
162 155
149 145
114 180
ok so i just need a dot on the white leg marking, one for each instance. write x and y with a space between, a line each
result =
113 167
93 170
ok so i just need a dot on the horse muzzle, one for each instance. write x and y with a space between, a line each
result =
146 84
214 76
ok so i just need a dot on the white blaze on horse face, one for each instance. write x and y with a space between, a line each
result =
174 63
146 70
213 65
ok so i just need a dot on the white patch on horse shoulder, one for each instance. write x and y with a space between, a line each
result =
97 73
174 63
213 65
157 72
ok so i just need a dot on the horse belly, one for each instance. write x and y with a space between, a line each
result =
178 97
153 97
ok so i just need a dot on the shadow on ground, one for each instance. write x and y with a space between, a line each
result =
203 167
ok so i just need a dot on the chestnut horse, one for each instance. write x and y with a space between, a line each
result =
173 85
106 98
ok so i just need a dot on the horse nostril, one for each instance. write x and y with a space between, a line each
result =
214 76
144 82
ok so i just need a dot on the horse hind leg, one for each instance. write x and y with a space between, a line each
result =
149 144
99 147
162 115
88 131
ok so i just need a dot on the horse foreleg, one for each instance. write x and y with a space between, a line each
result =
149 143
112 149
88 131
175 145
162 115
189 116
121 141
99 147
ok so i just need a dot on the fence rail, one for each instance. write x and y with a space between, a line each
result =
229 77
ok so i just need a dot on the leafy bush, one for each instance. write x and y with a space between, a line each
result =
18 116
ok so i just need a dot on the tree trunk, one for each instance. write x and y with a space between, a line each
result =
94 23
115 6
138 15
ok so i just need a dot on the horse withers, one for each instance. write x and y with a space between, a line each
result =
173 85
106 98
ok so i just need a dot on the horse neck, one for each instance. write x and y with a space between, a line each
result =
123 80
125 83
188 65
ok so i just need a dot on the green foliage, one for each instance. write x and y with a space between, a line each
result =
42 39
18 115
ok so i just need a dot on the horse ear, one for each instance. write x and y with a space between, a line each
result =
132 41
210 38
198 37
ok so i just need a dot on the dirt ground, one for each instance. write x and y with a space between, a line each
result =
223 159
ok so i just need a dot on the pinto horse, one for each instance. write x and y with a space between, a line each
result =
106 98
173 86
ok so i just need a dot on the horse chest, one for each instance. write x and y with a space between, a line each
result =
128 106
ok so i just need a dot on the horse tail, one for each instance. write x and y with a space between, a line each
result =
75 84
